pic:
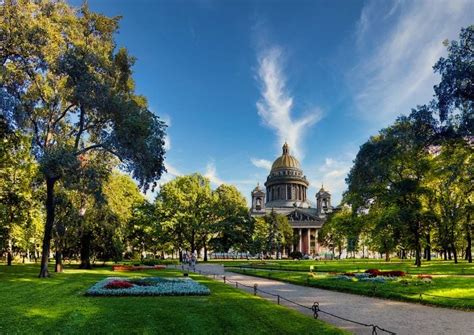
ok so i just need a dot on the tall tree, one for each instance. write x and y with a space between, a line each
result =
272 233
232 228
185 206
390 169
73 92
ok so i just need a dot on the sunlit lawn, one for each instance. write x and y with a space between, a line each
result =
29 305
407 288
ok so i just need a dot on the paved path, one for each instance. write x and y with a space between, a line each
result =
399 317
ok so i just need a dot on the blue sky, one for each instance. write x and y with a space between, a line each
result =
235 79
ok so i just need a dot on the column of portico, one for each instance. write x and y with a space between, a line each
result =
309 241
300 244
316 244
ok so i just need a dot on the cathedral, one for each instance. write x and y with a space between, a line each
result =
285 193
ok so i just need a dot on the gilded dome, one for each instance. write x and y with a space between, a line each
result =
285 160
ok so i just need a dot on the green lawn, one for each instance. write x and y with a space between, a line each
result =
407 288
29 305
345 265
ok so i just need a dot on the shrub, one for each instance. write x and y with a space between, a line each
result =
137 268
373 272
395 273
296 255
152 262
118 284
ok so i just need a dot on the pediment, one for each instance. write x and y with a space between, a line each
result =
298 215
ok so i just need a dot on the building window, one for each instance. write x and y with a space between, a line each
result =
288 192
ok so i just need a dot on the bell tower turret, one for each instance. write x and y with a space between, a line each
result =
323 201
258 200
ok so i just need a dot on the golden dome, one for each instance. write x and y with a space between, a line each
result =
286 160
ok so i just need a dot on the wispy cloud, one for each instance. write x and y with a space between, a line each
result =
275 105
333 174
211 174
261 163
396 72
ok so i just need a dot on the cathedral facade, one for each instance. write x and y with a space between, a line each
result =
285 193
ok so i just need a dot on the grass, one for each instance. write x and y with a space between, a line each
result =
29 305
436 267
406 289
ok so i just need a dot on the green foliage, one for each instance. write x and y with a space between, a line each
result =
272 233
414 179
455 92
20 196
73 93
233 224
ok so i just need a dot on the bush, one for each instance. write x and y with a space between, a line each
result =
152 262
373 272
296 255
394 273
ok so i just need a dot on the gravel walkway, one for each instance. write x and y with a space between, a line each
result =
398 317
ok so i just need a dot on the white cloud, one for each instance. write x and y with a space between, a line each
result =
333 174
396 73
211 174
167 145
261 163
275 104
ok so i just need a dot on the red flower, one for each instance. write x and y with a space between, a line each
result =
117 284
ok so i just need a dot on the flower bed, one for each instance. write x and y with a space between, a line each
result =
137 267
150 286
376 272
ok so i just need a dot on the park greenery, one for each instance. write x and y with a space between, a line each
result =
411 188
436 282
61 306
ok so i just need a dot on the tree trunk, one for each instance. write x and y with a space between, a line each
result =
468 239
86 250
205 252
193 243
9 253
428 248
59 262
48 228
387 256
469 247
455 253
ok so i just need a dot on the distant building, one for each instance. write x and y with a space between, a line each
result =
285 193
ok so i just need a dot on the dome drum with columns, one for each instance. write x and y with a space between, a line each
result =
286 193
